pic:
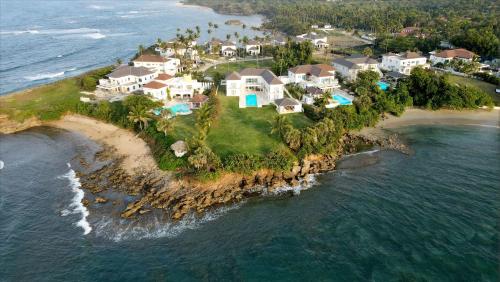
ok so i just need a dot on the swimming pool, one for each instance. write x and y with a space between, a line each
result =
251 100
342 100
180 109
383 85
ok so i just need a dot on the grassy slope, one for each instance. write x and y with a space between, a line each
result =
47 102
485 86
236 66
240 130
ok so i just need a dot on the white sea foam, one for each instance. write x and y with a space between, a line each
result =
304 184
44 76
83 30
99 7
76 206
151 228
371 152
96 35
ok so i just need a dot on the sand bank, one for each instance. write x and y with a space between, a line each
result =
136 153
478 117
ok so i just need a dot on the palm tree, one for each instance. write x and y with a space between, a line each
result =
138 114
244 26
228 36
165 125
279 125
141 49
158 41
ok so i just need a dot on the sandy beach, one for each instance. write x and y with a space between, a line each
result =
136 153
478 117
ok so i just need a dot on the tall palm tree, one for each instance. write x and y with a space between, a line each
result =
138 114
165 125
279 125
141 49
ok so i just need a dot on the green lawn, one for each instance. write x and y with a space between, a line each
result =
239 130
46 102
237 66
485 86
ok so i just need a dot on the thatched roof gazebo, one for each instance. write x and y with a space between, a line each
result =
179 148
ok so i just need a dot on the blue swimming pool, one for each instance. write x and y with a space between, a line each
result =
383 85
251 100
342 100
178 109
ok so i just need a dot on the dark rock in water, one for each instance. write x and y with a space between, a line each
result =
86 202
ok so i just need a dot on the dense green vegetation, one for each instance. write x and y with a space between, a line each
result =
469 24
290 55
46 102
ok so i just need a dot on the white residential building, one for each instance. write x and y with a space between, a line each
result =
252 48
127 79
228 49
255 87
214 46
450 55
349 67
173 48
403 63
156 89
319 41
158 64
321 76
179 87
287 106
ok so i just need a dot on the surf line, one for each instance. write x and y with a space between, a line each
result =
76 205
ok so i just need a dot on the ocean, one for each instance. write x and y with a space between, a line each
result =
46 40
381 216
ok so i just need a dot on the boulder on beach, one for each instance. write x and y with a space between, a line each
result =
179 148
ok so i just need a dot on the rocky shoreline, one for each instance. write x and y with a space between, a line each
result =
152 189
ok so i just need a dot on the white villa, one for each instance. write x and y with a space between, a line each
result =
180 87
228 49
319 41
450 55
279 40
403 63
321 76
173 48
127 79
214 46
255 87
349 67
158 64
252 47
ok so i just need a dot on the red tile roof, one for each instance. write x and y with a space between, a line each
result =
154 85
151 58
164 76
456 53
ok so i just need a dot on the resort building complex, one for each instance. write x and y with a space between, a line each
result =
228 49
319 41
403 63
183 87
450 55
158 64
252 47
321 76
126 79
255 87
349 67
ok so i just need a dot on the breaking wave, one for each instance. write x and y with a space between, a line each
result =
154 226
304 184
46 76
76 206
